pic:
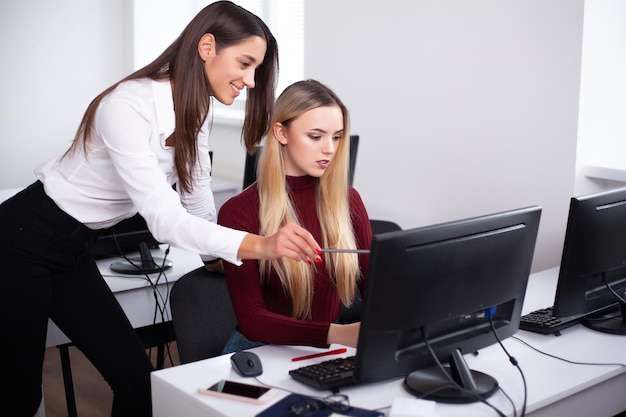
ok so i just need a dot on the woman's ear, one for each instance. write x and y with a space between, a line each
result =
280 133
206 46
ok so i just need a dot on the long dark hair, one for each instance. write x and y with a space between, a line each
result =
180 62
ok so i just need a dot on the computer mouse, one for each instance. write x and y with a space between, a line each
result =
246 363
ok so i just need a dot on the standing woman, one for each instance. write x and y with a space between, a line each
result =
136 139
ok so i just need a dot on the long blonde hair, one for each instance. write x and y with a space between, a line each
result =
331 190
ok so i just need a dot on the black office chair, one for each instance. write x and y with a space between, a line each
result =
354 147
383 226
249 169
202 314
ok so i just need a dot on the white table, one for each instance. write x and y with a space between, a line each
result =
555 388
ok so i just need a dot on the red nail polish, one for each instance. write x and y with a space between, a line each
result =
318 260
310 262
319 251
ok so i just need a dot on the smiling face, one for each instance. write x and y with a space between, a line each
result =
233 67
310 140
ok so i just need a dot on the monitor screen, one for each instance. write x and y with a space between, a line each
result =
592 276
436 291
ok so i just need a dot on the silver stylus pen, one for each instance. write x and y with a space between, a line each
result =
346 250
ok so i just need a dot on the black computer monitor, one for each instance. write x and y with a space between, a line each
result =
592 276
123 238
441 288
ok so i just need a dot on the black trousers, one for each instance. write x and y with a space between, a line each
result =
47 272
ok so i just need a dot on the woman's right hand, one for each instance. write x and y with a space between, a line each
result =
291 240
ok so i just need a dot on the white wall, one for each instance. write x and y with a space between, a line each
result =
56 57
464 107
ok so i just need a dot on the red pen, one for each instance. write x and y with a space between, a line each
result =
317 355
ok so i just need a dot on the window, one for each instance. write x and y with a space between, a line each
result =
157 23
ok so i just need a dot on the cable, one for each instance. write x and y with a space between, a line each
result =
489 314
567 360
619 297
160 306
510 400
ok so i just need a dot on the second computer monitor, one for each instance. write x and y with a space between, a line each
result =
592 276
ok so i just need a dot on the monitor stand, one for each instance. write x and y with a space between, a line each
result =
613 321
432 384
146 264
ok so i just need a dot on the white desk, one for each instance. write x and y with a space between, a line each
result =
555 388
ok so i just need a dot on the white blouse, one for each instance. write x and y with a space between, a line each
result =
129 169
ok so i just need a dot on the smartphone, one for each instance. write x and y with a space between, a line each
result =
239 391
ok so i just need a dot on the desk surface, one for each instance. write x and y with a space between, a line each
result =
555 388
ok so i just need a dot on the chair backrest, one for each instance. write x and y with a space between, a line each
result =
202 314
249 169
249 172
383 226
354 147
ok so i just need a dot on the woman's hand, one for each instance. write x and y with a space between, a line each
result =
344 334
291 240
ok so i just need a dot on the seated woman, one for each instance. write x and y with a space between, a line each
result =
302 178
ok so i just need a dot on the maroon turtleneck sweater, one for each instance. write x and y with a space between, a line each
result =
263 310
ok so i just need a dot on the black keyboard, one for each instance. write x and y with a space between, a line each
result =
542 321
325 375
